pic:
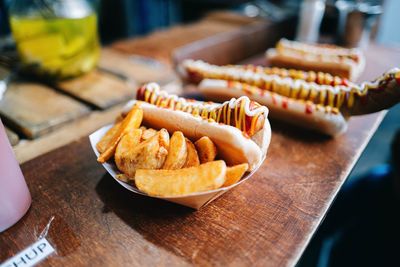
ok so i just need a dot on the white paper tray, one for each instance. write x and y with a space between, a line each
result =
195 200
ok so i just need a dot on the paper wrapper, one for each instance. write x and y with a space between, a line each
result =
195 200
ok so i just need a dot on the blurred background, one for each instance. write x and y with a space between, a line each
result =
341 241
119 19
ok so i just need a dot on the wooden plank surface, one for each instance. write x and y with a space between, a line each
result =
29 149
266 221
139 69
99 89
34 110
235 46
161 44
12 137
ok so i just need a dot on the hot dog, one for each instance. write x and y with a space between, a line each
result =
324 104
239 127
348 63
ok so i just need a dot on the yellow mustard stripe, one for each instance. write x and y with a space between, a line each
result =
221 114
253 124
228 115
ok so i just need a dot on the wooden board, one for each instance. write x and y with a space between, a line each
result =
266 221
99 89
34 110
161 44
235 46
140 69
12 137
66 134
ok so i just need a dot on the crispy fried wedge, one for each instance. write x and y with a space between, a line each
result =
234 173
206 149
150 154
122 177
105 140
192 158
177 153
180 182
130 122
123 151
148 133
119 118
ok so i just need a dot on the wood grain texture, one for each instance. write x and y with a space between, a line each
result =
34 110
99 89
66 134
266 221
161 44
138 69
235 46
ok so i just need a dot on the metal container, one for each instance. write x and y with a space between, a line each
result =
356 20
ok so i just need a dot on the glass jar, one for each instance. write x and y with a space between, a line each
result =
56 39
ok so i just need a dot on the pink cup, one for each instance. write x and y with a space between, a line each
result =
15 198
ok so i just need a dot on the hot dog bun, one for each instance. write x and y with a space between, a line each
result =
313 100
343 62
232 144
298 112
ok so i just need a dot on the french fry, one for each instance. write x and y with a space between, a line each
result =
192 158
130 122
206 149
177 153
234 173
148 133
168 183
105 140
149 154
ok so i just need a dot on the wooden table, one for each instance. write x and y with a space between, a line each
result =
267 221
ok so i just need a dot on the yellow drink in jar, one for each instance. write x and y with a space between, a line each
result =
57 48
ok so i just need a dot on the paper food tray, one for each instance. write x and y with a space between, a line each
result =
195 200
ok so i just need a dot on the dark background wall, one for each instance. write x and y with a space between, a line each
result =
127 18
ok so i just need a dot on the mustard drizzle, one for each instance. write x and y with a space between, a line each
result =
220 114
325 94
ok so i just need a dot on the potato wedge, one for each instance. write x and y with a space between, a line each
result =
206 149
177 152
119 118
148 133
105 140
122 177
234 173
168 183
130 122
150 154
192 158
124 148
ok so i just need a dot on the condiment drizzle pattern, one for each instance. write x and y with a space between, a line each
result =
284 84
242 113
